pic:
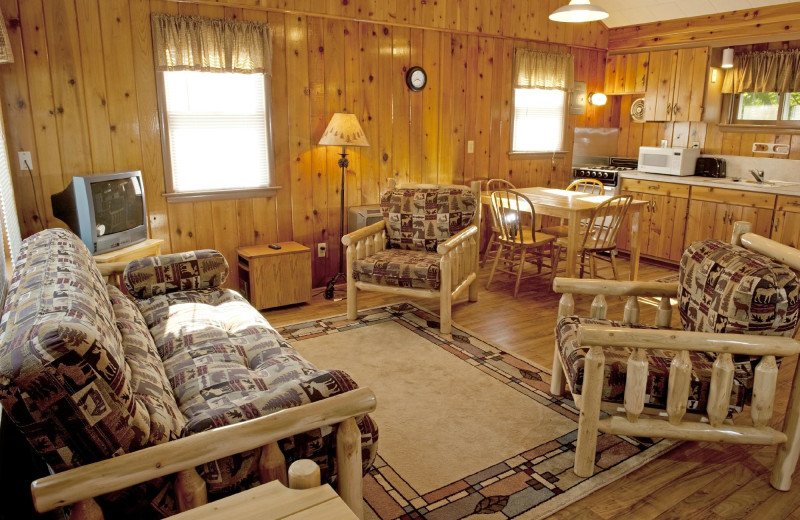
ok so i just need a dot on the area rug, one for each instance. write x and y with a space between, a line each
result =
466 429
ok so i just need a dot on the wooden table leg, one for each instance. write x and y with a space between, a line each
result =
635 245
573 236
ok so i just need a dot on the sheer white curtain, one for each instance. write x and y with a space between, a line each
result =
7 205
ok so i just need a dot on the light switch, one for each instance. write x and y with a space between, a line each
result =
470 146
25 161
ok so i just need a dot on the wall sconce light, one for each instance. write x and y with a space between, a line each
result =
713 75
727 58
598 99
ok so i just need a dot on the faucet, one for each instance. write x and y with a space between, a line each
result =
758 175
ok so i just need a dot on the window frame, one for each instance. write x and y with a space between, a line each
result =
537 154
235 193
735 101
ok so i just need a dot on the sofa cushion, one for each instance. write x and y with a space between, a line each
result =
726 288
191 270
573 355
421 218
226 364
63 377
157 413
400 268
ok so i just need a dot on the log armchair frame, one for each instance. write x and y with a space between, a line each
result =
458 264
633 418
80 485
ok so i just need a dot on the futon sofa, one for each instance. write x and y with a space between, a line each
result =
88 373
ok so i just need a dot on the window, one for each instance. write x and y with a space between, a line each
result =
8 209
538 120
767 108
216 127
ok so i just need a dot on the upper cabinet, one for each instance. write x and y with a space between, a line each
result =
676 82
626 73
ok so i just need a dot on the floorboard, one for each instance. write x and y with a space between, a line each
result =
696 480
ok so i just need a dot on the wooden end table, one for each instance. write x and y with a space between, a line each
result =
275 277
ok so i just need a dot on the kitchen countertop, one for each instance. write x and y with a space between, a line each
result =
787 188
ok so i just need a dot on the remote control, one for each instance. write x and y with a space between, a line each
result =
274 246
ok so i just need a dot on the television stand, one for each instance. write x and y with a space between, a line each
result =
149 247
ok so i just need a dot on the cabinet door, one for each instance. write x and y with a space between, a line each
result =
660 85
701 219
690 84
623 237
667 225
786 228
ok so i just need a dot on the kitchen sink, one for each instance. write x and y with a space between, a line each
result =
755 184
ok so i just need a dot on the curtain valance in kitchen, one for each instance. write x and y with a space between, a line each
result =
764 71
211 44
547 70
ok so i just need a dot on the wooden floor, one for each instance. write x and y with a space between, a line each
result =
696 480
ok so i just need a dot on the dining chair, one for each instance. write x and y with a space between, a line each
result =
492 185
516 218
590 186
599 235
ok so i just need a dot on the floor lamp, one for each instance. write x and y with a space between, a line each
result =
343 130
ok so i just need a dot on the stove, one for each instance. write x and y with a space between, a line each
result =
608 174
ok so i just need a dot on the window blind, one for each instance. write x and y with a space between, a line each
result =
7 205
217 130
538 120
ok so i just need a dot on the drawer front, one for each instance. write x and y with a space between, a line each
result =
737 197
657 188
787 203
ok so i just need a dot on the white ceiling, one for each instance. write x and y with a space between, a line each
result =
634 12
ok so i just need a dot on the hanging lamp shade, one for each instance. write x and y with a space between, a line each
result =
579 11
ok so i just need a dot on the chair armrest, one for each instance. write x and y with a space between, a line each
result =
666 339
112 268
363 233
449 244
614 288
117 473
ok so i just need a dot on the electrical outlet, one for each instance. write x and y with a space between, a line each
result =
470 146
322 250
25 161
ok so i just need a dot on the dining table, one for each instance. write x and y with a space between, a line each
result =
576 206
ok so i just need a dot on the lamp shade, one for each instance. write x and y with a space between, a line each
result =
579 11
343 130
727 58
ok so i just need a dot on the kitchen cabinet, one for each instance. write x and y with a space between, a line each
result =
663 221
712 212
676 82
786 225
626 73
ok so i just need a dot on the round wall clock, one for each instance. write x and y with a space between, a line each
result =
416 78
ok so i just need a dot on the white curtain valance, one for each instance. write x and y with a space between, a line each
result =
764 71
547 70
211 44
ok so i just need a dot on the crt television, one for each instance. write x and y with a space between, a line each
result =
106 211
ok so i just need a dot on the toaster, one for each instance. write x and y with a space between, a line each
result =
710 167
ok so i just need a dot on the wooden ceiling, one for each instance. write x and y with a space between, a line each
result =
637 12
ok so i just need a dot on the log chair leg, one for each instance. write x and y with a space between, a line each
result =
304 474
86 510
445 295
348 457
272 464
190 490
788 453
589 412
352 302
557 382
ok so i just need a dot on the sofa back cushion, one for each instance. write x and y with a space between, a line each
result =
726 288
192 270
63 376
420 218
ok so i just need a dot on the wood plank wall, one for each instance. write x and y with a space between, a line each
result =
712 138
82 97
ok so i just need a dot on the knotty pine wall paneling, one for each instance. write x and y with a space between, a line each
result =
81 97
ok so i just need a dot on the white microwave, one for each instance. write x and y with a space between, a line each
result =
668 161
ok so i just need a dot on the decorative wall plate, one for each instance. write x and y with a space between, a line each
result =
637 110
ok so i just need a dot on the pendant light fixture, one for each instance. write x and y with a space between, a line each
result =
727 58
579 11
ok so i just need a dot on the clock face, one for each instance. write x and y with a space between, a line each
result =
416 79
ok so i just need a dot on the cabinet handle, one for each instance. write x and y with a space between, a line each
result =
775 226
654 206
793 203
653 187
669 108
725 217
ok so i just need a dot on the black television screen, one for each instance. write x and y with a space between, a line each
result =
118 205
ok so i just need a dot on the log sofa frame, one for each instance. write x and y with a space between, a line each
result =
458 265
629 420
80 485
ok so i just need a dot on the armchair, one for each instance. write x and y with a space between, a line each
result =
739 308
426 245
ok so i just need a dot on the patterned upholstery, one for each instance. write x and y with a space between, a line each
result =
153 275
226 364
726 288
400 268
616 364
421 218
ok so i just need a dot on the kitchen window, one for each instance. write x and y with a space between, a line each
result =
541 81
770 108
